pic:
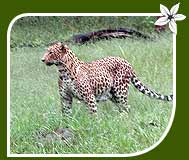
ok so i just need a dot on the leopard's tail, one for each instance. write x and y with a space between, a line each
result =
142 88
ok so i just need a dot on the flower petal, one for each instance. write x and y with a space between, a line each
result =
164 10
173 26
174 9
162 21
179 17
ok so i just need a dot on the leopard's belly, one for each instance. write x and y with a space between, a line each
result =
104 96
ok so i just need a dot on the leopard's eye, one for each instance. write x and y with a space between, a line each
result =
50 52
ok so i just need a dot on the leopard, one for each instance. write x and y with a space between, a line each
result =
91 82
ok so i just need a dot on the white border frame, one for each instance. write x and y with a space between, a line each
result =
85 155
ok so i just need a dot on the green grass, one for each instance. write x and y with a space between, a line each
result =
35 103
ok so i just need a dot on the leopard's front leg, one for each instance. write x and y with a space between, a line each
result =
65 97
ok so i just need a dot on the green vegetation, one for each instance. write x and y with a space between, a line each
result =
35 104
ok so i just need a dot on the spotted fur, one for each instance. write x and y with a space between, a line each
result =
108 78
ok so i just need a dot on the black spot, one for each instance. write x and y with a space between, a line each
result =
94 111
139 86
143 91
136 80
171 97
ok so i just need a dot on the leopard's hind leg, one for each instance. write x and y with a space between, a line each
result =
91 103
87 95
121 102
119 93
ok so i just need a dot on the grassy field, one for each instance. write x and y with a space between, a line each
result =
35 105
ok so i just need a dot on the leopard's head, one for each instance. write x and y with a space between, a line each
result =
55 53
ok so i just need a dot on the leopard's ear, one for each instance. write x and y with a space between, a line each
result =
61 45
64 46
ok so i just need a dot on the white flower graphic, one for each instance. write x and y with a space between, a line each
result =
170 17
